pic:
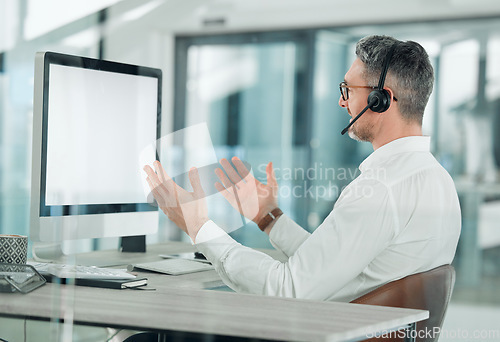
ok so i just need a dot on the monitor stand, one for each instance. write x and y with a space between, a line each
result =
47 251
136 244
132 249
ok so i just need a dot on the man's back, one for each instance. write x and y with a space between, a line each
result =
424 208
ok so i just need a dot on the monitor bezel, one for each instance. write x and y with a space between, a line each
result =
53 58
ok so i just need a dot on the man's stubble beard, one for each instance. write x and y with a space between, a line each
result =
362 133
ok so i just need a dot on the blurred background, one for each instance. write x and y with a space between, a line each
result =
263 75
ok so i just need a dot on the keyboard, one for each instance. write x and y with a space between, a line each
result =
173 266
82 272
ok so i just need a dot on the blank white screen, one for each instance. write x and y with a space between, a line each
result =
99 122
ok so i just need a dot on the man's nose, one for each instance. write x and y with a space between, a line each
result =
342 102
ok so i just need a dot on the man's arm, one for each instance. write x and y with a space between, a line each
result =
255 200
354 233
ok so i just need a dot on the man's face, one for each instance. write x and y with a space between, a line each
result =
361 130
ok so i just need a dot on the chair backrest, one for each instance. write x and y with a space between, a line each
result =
430 290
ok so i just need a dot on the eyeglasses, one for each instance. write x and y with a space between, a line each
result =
344 90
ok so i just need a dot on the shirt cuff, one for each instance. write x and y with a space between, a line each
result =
209 231
214 243
278 225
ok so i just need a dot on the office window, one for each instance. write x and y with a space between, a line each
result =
254 97
334 157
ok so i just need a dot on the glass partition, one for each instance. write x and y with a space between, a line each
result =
270 96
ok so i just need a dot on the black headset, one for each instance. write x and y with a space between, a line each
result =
379 99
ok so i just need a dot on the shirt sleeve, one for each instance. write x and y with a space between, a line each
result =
358 228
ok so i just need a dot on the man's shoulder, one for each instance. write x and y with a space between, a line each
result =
364 189
402 166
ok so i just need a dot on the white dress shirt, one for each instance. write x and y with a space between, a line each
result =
399 217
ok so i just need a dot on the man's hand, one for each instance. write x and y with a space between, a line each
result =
188 210
245 193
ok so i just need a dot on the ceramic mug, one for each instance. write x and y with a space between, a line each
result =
13 249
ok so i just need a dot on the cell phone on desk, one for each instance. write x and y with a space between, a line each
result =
188 256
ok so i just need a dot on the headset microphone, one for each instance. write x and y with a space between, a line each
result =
379 99
371 103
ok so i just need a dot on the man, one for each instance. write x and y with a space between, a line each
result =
399 217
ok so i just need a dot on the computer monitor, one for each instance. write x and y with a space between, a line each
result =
95 124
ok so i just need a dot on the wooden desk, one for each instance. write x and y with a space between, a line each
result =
180 304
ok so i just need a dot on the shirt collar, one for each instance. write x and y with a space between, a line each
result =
401 145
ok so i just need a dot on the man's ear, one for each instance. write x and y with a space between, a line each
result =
391 96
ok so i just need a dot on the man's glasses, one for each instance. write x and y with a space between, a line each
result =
344 90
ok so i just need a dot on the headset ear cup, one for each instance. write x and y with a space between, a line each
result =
383 100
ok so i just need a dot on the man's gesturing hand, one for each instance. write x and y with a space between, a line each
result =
245 193
188 210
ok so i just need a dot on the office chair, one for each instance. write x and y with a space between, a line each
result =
430 290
